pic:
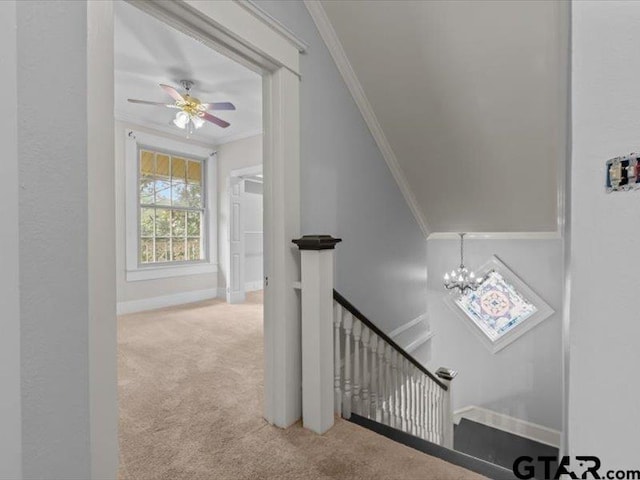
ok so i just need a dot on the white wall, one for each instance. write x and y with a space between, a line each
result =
348 191
53 234
231 156
524 380
10 416
605 228
129 291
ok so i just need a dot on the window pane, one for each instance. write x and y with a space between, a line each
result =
193 249
146 250
163 192
194 172
178 168
193 224
146 190
146 163
177 247
163 222
162 250
146 222
162 166
179 196
194 192
178 223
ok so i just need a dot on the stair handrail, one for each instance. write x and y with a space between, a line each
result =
360 316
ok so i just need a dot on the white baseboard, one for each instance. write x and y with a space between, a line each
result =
253 286
408 340
513 425
425 337
408 325
153 303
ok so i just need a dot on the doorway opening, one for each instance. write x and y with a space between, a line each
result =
189 145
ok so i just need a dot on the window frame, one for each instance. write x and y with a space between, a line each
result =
135 269
543 309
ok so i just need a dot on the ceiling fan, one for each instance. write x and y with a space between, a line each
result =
192 113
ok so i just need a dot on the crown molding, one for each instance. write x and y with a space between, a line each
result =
496 236
256 10
330 38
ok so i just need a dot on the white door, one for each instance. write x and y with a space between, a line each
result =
235 284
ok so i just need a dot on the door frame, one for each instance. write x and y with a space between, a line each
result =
239 30
237 296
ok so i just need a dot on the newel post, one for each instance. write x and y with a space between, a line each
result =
317 331
446 375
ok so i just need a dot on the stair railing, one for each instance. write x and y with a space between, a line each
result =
357 368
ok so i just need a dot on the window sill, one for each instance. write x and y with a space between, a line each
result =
153 273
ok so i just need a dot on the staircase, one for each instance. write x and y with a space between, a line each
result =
350 368
377 379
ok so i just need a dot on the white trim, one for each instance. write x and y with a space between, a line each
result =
274 23
152 273
135 272
336 50
153 303
418 342
496 236
543 311
408 325
506 423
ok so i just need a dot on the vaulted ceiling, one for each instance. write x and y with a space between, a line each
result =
471 96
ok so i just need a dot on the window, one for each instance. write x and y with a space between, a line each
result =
171 208
502 308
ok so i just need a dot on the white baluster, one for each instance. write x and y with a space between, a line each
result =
337 321
389 393
364 404
346 404
373 395
420 404
357 332
427 407
404 403
393 377
411 418
382 400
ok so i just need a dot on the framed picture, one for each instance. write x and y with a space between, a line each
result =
502 309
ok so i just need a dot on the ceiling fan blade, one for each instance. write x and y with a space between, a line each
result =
173 92
216 120
144 102
220 106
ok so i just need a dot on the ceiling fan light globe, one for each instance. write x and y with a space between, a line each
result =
181 120
197 121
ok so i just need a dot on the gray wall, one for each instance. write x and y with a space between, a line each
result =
605 228
53 221
524 380
347 189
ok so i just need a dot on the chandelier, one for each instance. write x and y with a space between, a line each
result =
462 278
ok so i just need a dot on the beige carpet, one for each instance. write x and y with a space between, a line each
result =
190 381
